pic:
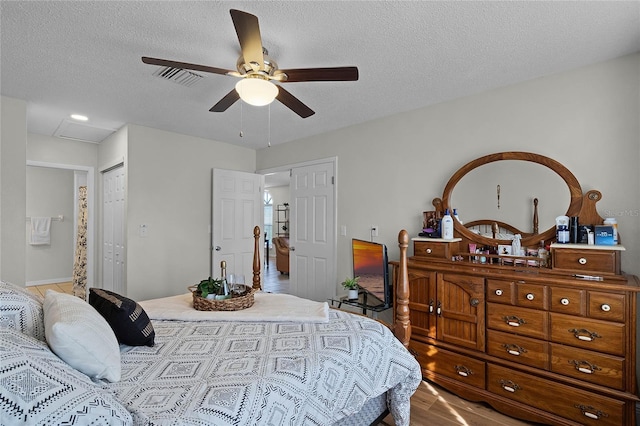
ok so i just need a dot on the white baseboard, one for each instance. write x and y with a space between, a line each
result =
51 281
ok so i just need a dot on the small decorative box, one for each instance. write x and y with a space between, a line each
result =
604 235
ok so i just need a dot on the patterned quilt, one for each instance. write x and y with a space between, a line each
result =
277 373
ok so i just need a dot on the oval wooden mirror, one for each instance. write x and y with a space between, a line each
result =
533 179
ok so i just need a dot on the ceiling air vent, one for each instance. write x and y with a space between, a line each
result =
178 75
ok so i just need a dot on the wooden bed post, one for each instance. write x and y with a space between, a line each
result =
402 324
256 259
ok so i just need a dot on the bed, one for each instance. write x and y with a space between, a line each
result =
283 361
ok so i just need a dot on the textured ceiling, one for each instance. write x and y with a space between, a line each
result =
84 57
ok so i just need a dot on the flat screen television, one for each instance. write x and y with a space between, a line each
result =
370 264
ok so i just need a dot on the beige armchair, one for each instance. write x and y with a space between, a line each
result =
282 254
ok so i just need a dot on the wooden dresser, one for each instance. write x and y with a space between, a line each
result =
536 343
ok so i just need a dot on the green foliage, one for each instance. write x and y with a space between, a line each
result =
351 283
209 286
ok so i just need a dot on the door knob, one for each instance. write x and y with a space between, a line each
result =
292 248
218 248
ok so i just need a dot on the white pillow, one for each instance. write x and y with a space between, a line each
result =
79 335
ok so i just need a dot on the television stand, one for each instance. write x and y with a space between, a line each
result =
362 302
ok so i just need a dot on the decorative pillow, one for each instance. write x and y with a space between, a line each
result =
128 320
80 336
37 388
21 310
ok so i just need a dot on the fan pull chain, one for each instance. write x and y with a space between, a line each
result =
269 136
241 134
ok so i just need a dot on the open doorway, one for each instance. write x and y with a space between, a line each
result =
276 229
53 192
312 227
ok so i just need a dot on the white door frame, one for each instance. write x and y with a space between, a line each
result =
92 210
334 161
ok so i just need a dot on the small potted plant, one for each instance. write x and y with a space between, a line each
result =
209 288
351 284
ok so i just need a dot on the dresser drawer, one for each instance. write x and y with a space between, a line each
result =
587 261
450 364
524 350
514 319
501 291
607 306
594 367
568 300
566 401
531 295
586 333
434 249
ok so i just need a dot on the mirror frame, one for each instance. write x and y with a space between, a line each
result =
575 191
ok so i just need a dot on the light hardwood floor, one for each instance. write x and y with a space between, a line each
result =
430 405
59 287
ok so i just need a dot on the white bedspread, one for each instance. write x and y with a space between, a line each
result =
223 373
267 307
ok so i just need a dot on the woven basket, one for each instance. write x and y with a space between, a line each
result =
235 303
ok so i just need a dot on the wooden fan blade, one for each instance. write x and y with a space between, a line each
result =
184 65
248 31
293 103
320 74
224 103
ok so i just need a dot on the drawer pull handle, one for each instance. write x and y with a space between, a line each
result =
514 349
463 371
514 321
509 385
474 301
591 412
584 334
498 292
431 306
564 301
605 308
584 366
531 296
439 309
582 261
428 251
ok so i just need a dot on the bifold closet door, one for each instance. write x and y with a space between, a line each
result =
113 250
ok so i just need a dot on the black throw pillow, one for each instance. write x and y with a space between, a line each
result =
128 320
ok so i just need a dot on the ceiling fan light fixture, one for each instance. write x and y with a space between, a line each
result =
256 91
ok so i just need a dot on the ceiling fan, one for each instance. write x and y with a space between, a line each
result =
257 69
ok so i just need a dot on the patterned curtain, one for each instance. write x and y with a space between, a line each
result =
80 257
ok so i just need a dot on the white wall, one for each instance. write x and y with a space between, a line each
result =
389 170
169 190
50 149
13 137
50 192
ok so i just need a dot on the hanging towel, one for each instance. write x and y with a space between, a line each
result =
40 231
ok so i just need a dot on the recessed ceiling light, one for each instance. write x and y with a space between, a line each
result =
79 117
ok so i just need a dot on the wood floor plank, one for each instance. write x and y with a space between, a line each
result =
432 405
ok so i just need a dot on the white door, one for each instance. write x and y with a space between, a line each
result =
113 250
237 207
312 232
